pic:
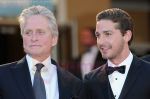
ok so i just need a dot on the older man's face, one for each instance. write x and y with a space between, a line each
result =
37 37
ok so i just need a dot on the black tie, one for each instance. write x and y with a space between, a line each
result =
120 69
38 85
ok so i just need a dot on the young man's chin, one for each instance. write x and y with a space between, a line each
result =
104 57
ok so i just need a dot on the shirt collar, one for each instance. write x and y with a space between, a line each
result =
127 62
32 62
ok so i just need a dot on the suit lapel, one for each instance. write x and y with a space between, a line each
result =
64 92
104 82
22 77
131 77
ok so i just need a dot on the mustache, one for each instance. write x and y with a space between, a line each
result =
102 46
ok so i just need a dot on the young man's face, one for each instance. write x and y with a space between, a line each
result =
112 44
37 37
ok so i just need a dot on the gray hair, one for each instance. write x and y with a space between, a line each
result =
39 10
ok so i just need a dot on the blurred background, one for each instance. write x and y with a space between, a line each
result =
72 16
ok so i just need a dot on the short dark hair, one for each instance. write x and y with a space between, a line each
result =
124 20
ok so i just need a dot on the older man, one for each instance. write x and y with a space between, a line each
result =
37 75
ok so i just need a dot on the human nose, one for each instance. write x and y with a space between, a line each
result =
100 40
34 37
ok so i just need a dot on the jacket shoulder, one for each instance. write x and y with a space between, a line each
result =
8 65
67 75
96 72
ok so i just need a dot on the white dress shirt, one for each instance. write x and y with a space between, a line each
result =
49 75
88 60
117 79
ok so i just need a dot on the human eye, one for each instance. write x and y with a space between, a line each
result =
41 32
97 34
27 33
108 33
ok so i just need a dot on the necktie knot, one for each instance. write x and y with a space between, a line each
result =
39 66
120 69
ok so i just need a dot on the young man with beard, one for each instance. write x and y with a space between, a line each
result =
124 76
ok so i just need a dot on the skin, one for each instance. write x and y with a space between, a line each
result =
37 38
111 43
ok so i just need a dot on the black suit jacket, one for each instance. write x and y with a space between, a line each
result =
15 82
75 66
136 86
146 58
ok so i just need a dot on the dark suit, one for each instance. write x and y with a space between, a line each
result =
15 82
136 86
75 66
146 58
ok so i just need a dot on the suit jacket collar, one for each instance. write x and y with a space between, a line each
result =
63 85
103 80
22 77
61 81
132 75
